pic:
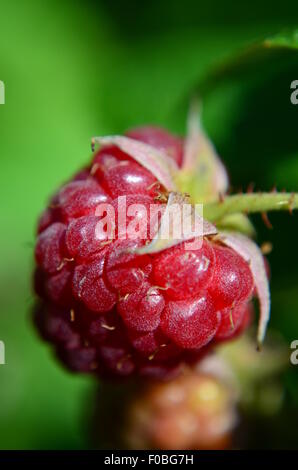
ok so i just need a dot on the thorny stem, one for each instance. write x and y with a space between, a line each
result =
250 203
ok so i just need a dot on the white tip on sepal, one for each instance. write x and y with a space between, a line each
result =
180 222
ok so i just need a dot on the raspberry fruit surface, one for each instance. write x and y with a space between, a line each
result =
113 312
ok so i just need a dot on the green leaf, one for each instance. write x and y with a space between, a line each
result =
288 39
256 60
248 113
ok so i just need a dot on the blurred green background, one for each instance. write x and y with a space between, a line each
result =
75 69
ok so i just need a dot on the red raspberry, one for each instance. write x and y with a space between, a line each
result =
89 286
191 323
160 139
232 280
111 311
234 321
185 273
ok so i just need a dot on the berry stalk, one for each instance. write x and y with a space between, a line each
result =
250 203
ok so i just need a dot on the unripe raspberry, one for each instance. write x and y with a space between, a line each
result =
196 410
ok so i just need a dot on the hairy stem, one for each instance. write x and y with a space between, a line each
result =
250 203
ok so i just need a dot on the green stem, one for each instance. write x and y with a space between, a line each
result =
250 203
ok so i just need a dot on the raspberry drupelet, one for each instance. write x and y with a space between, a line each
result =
113 312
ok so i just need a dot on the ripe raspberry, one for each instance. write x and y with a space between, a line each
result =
116 313
232 281
234 321
185 273
160 139
191 323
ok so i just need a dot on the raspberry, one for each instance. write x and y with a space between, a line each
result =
80 198
160 139
141 204
89 286
58 286
127 177
54 326
142 309
232 280
191 323
125 272
82 240
110 311
185 273
233 321
49 248
231 318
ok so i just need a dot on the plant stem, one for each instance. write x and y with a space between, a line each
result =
250 203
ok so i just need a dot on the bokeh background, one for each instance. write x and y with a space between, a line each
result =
75 69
